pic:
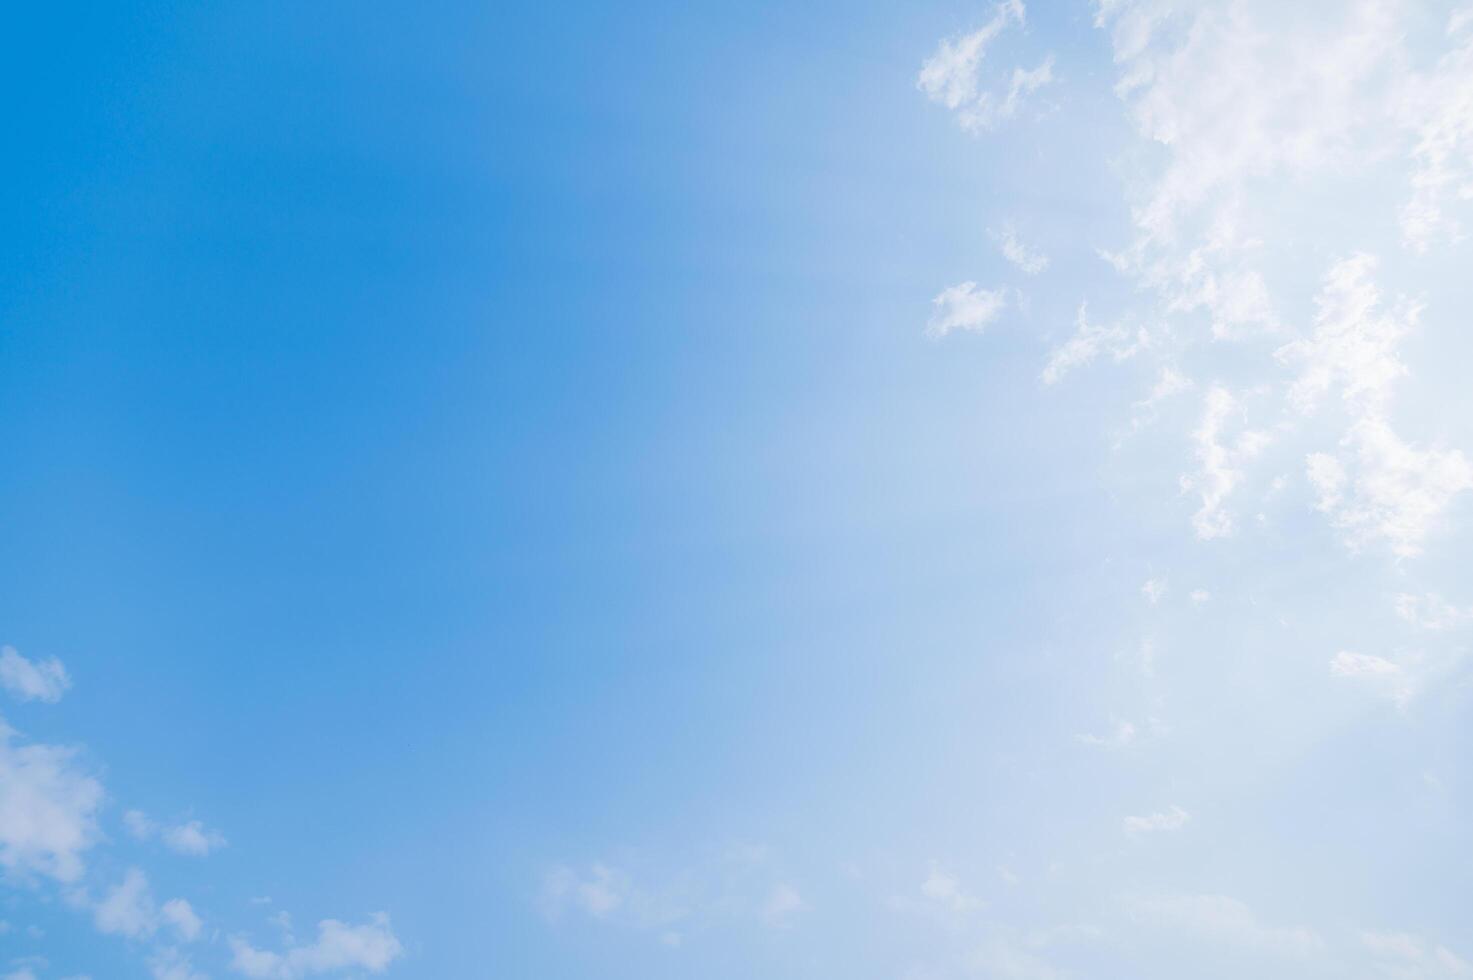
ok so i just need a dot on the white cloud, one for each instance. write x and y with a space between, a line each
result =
191 838
599 893
128 909
1251 103
27 680
1377 488
1236 94
1200 597
1023 83
1377 672
1220 462
1347 664
371 946
1354 344
964 307
1407 957
945 890
139 825
1381 489
1028 259
1169 383
737 886
1173 818
1154 590
169 963
1085 345
1003 958
951 76
1430 612
48 809
1439 107
1220 919
180 915
1121 733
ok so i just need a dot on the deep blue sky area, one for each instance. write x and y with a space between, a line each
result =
450 439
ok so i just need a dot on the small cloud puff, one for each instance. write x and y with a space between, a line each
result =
1088 341
945 889
1430 612
1174 818
782 905
1378 673
1121 734
28 680
48 809
129 910
371 946
1028 259
191 839
964 307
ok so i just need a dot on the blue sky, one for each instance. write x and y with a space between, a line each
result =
919 491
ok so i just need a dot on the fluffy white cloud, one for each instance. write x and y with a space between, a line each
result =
1028 259
128 909
191 838
1439 108
1403 955
1173 818
28 680
371 946
1431 611
1377 487
738 887
1396 681
1221 919
952 75
1347 664
1085 345
139 825
1238 94
1121 733
598 893
1354 344
1220 461
48 822
180 916
945 890
1169 383
1154 590
170 963
1381 489
1250 103
964 307
48 809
